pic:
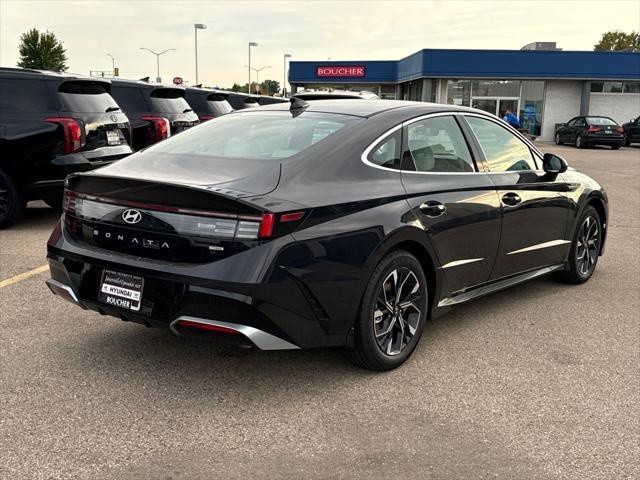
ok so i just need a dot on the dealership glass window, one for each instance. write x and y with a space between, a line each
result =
496 88
612 87
388 92
596 87
532 106
437 145
503 151
631 87
412 91
458 92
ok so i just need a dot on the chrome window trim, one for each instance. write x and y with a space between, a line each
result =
535 152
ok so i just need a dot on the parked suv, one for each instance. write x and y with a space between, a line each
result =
208 104
631 131
156 111
53 124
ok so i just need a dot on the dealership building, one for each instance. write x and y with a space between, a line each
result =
542 84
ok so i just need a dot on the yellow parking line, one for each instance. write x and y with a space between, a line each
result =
23 276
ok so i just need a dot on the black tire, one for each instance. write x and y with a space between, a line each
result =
557 139
12 204
615 147
385 332
577 270
580 142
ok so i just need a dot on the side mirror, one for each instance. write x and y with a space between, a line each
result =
554 164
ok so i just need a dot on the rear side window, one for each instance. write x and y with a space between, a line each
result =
169 100
437 145
130 98
503 151
387 152
259 135
25 95
86 96
218 104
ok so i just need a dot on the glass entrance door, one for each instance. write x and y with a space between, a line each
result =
496 105
487 104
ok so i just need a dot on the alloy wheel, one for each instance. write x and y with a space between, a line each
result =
588 243
398 310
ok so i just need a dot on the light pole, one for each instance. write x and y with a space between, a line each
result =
284 75
251 44
113 64
196 27
158 79
258 70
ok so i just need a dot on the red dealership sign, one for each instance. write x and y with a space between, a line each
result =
341 71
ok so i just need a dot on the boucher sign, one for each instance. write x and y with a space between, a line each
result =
341 71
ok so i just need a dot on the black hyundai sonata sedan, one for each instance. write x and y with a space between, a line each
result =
329 223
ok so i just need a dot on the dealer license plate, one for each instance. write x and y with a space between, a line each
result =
121 290
113 137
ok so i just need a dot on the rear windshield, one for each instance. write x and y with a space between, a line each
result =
218 104
600 121
256 135
169 100
86 97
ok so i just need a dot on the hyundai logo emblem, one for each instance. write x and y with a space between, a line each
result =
131 216
113 118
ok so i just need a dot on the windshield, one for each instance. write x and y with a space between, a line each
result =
86 97
600 121
259 135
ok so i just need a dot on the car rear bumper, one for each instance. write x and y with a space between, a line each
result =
270 314
601 140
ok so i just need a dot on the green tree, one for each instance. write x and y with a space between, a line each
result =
42 50
237 87
269 87
617 41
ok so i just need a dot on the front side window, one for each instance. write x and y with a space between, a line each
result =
256 135
437 145
503 151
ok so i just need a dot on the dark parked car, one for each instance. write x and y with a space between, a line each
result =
590 130
240 101
208 103
156 111
335 95
269 100
631 131
330 223
51 125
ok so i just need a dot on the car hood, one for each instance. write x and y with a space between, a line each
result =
240 175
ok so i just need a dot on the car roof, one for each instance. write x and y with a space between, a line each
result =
33 73
357 107
141 83
335 94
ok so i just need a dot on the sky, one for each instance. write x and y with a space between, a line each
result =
307 29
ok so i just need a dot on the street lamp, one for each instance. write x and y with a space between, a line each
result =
113 64
284 75
196 27
258 70
158 79
251 44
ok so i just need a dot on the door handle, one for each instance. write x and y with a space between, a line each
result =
432 208
511 199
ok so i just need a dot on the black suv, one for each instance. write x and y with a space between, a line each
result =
53 124
156 111
240 101
208 103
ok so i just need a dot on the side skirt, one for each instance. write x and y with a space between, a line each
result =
498 285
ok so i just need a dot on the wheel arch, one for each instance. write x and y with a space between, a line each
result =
598 204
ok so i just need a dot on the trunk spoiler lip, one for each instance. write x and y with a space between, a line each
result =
260 201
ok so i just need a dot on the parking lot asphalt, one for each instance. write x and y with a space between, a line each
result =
539 381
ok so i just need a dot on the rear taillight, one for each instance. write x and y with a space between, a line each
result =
207 327
619 129
204 118
71 203
161 127
266 225
593 130
72 133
